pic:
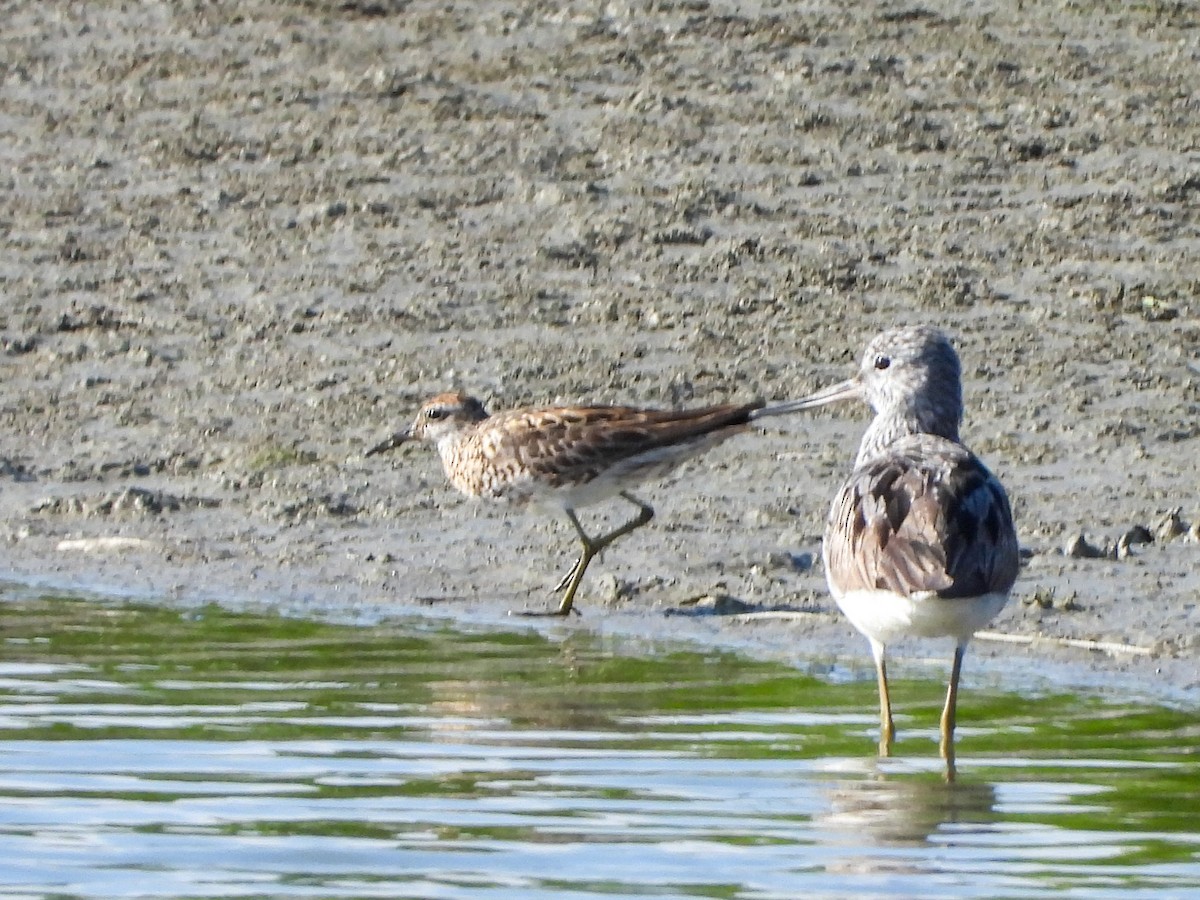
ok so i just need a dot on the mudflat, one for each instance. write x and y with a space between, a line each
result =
244 241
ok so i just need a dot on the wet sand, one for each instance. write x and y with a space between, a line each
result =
245 241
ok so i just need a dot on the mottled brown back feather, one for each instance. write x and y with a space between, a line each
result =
910 521
567 446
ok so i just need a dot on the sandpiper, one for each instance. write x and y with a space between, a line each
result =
566 457
920 539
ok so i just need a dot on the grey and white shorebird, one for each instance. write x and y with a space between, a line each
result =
920 539
566 457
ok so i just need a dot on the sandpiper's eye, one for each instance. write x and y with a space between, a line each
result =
435 412
882 362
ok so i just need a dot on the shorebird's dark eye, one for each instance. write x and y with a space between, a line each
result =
435 413
882 362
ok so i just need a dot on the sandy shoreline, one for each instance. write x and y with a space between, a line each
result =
244 242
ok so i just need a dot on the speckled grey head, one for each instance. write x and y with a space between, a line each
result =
912 380
914 373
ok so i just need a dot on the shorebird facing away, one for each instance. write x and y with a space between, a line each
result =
566 457
920 539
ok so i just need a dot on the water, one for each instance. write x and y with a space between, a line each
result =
156 752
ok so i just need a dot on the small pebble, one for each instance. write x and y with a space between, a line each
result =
785 559
1138 534
610 589
1170 526
1079 548
719 604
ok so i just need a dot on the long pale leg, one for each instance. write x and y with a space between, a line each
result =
591 548
950 711
887 728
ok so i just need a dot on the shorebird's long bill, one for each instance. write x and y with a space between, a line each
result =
845 390
400 437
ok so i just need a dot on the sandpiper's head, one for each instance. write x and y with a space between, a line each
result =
446 414
442 417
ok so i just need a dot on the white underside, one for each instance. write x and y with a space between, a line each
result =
545 498
577 496
885 617
625 475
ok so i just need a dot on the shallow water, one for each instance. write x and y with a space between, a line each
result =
156 752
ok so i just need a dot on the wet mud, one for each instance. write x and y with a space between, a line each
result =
244 241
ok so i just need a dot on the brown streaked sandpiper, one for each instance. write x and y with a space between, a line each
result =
566 457
920 539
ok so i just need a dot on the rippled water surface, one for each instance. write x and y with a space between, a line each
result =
152 752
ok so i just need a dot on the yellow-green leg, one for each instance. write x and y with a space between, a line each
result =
592 547
950 711
887 728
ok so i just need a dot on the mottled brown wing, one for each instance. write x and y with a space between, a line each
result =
576 444
929 516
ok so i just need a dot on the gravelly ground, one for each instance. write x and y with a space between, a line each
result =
244 240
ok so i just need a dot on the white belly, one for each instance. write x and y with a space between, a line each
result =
884 617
